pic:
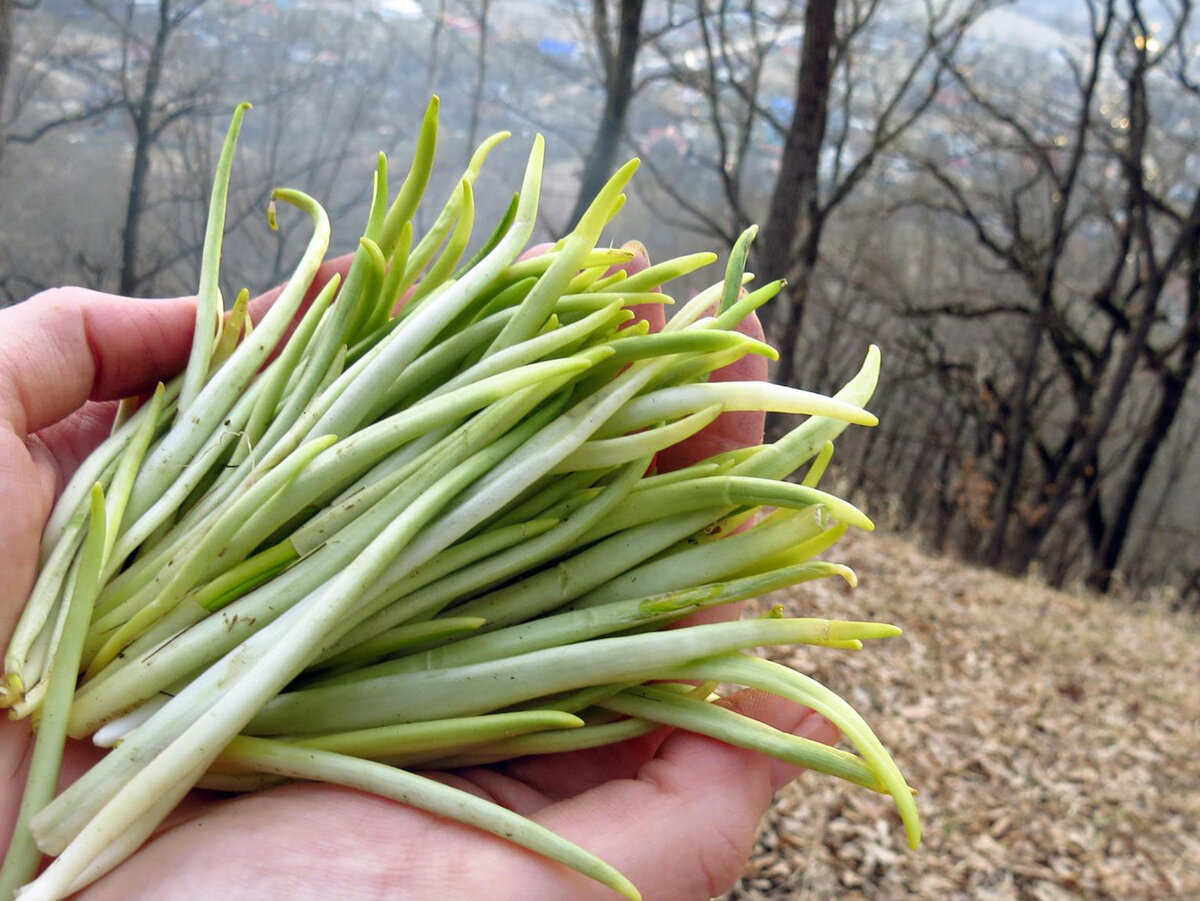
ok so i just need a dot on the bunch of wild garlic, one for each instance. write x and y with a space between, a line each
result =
432 537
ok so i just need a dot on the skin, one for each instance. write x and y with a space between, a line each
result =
673 811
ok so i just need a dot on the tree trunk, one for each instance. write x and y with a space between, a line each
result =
435 50
1174 385
1016 443
6 12
948 476
795 209
787 339
618 93
144 136
485 7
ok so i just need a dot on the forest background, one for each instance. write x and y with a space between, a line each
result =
1004 194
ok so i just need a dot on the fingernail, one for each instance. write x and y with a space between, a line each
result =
816 727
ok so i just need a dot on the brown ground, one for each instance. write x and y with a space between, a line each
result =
1054 738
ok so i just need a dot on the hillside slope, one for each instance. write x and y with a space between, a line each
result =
1055 741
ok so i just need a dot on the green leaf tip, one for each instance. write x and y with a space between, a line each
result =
735 268
862 631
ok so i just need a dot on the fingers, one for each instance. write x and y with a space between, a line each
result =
684 827
559 776
680 828
57 350
67 345
338 266
729 431
652 313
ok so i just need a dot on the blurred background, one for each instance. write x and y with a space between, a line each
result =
1004 195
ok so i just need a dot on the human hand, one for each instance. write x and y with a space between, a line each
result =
673 811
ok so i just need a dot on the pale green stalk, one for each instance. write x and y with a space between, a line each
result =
743 669
416 331
22 670
671 709
127 468
441 271
440 736
660 273
728 491
412 189
636 347
735 269
409 638
669 403
483 687
22 858
162 466
542 743
601 452
541 299
208 296
278 376
390 603
812 478
583 625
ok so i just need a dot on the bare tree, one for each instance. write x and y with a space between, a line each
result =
481 15
150 114
874 110
6 26
617 47
795 221
1099 249
27 84
328 93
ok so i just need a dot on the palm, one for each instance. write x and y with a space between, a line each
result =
675 812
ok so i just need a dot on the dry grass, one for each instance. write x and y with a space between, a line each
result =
1055 741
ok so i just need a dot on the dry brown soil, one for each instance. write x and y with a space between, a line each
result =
1054 739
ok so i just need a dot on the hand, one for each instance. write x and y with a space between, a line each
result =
674 811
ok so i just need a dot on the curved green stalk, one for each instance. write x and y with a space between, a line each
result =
671 709
743 669
427 794
601 452
559 742
404 207
162 466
